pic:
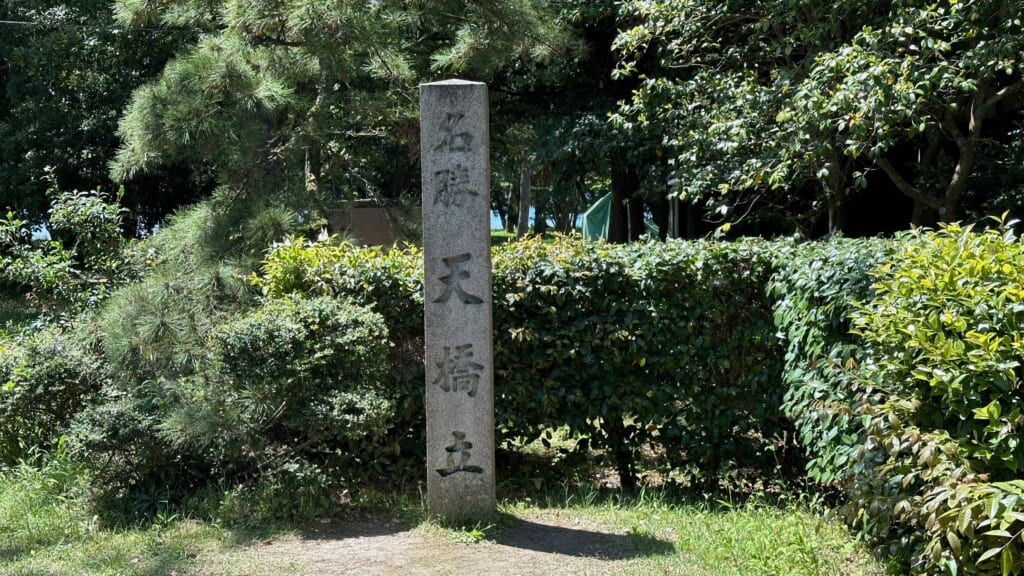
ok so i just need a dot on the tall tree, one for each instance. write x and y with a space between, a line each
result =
68 72
944 79
561 79
792 104
282 100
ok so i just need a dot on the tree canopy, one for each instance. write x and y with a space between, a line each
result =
68 71
787 115
797 104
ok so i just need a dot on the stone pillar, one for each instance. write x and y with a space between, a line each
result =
454 145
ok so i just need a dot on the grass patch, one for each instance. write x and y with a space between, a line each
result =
47 527
499 237
717 539
654 532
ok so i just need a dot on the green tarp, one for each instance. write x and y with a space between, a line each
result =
595 220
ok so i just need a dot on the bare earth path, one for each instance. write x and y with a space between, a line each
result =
536 545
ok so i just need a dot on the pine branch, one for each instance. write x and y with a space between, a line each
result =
264 40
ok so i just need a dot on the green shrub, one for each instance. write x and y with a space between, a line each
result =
623 345
86 259
813 291
306 374
294 385
938 475
145 436
45 380
389 282
673 347
136 473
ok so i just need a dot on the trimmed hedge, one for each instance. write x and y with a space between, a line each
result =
814 291
619 343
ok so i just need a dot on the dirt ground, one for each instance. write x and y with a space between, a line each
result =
551 544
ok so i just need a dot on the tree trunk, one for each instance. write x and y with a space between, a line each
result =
502 216
130 224
501 207
834 184
948 207
624 185
540 221
618 438
908 189
659 213
985 101
636 219
923 215
509 224
836 215
524 203
563 222
314 159
964 165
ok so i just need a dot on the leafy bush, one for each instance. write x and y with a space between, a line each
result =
813 291
938 475
294 385
389 282
83 262
623 344
135 472
45 380
295 399
303 373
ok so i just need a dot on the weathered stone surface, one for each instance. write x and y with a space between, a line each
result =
454 140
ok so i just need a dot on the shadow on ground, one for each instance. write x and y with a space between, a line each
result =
570 541
543 545
549 536
11 553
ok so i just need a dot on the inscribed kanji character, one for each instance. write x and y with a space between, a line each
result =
453 281
458 456
451 185
459 373
454 141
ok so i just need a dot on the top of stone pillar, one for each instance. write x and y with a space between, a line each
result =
454 82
